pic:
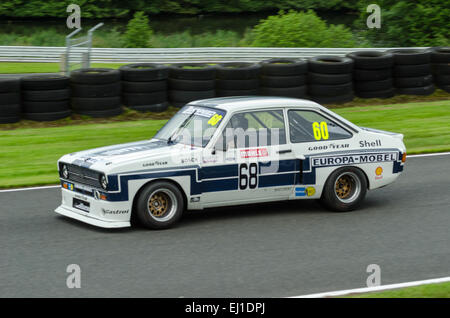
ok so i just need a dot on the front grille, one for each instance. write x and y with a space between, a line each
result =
84 175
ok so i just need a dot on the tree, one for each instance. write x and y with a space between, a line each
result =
139 32
300 29
408 23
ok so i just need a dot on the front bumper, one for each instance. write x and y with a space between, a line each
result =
101 213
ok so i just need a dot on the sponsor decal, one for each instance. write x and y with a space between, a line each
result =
106 211
188 160
310 191
378 173
369 144
254 153
353 159
332 146
68 186
154 163
203 112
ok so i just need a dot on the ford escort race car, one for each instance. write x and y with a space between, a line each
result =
230 151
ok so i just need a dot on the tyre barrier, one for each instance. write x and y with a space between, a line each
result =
330 79
440 67
237 79
45 97
188 82
144 86
284 77
96 92
412 72
372 75
10 108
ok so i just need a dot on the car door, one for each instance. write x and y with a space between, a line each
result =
256 160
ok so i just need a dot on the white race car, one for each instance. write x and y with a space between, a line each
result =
230 151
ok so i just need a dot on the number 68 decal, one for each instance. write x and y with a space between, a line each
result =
248 176
320 130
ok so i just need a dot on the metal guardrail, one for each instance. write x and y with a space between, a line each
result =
170 55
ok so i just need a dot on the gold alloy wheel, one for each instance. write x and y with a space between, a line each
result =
159 204
344 187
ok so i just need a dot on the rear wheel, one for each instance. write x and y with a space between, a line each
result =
160 205
344 190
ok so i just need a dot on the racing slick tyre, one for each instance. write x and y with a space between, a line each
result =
9 85
191 85
44 82
48 116
10 113
159 205
284 67
385 93
187 96
329 64
442 79
372 75
370 60
295 92
330 90
140 99
424 90
101 90
47 95
144 87
334 99
95 76
282 81
440 69
237 84
329 79
408 82
151 108
369 86
410 56
236 92
45 106
144 72
445 87
9 119
238 71
412 70
9 98
95 104
101 113
344 189
440 54
192 71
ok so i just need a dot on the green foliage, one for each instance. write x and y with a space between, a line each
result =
138 32
220 38
408 23
300 29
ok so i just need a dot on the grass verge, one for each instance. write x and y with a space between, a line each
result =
28 155
440 290
26 67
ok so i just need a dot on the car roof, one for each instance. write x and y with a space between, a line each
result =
253 102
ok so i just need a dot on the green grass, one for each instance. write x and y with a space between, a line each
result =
24 67
441 290
28 155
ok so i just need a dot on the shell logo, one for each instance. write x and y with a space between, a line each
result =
378 171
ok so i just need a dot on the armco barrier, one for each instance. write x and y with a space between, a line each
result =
171 55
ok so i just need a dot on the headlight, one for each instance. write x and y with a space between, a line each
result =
104 182
65 172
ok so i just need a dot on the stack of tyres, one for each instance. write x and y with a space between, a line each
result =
96 92
237 79
144 86
188 82
373 74
45 97
330 79
284 77
412 72
9 101
440 65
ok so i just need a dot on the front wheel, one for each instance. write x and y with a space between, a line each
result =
344 190
160 205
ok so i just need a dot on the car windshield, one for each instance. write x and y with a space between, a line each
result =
192 125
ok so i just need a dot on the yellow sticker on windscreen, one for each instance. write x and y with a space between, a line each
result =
214 119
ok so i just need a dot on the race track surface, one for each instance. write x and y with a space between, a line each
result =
281 249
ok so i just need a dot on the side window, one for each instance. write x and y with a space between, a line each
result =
255 129
307 126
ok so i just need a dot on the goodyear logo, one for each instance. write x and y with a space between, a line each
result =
353 159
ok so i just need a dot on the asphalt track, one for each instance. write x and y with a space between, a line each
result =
271 250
